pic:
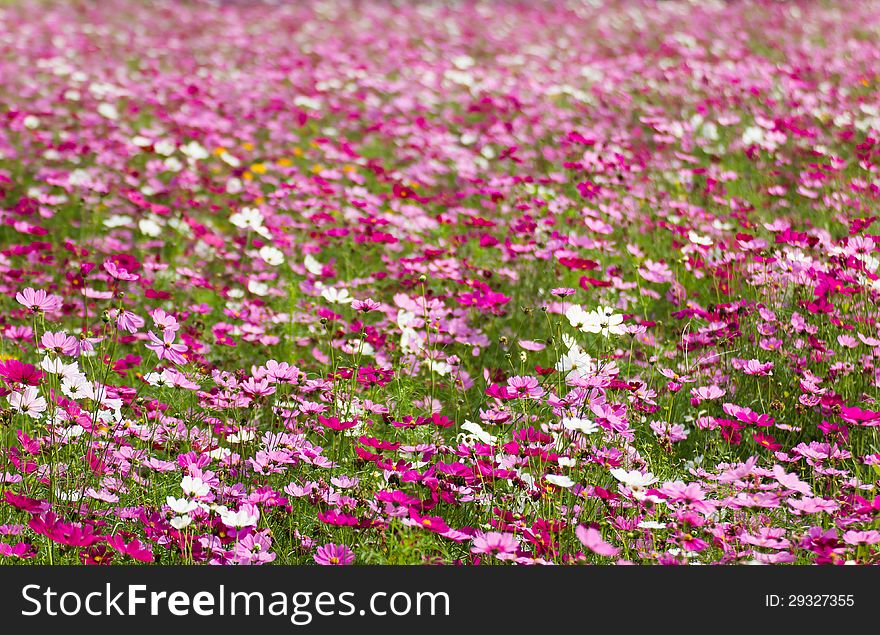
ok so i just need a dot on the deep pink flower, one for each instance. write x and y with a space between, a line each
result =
29 505
16 372
333 554
134 549
23 550
431 523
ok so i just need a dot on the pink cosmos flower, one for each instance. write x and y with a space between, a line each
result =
59 343
791 481
118 272
127 321
253 549
164 321
166 348
502 545
431 523
257 387
525 387
334 555
533 346
671 432
812 505
592 540
756 367
706 393
365 306
38 301
868 537
658 272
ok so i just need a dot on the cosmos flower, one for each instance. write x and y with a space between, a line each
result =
38 301
502 545
334 555
16 372
166 348
634 479
28 402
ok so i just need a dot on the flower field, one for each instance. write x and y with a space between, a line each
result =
465 283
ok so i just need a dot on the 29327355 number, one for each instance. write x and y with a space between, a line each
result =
809 599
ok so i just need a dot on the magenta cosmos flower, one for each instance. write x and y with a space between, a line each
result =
332 554
16 372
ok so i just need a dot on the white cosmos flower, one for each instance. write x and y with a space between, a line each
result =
165 147
634 479
575 362
181 522
244 517
478 432
313 266
108 111
440 367
271 255
117 220
247 218
149 227
72 372
194 486
697 239
159 379
181 505
52 366
229 159
28 402
410 340
77 388
577 317
605 321
72 432
258 288
358 347
173 164
234 185
584 426
651 524
242 436
70 495
194 151
337 296
405 318
559 480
